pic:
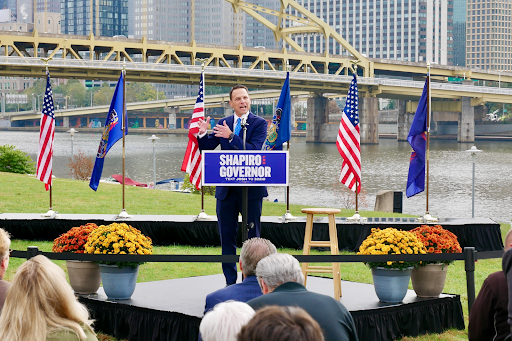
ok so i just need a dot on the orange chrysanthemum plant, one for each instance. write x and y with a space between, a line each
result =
437 240
74 240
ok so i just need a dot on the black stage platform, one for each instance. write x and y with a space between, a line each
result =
482 233
172 310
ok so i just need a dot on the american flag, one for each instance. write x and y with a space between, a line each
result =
348 140
46 136
192 160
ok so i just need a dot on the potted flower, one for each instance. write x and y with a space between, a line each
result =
391 279
84 277
428 278
119 278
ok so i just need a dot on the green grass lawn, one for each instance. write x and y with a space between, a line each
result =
25 194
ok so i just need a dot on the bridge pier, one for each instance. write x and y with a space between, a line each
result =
172 111
369 120
466 131
404 122
65 122
317 117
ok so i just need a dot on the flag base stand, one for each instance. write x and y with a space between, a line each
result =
427 218
287 216
203 216
123 215
50 214
357 218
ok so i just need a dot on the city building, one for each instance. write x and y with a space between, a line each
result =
102 18
488 34
459 32
408 30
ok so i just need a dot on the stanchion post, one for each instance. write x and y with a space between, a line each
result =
469 262
32 251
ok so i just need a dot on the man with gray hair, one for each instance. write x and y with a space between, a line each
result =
253 251
282 284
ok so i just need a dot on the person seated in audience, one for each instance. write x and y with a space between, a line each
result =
5 244
252 252
41 306
281 324
488 317
224 322
282 283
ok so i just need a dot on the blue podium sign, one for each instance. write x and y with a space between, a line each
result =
245 168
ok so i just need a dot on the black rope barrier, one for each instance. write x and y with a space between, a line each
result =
440 257
469 256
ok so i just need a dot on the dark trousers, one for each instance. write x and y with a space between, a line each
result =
227 216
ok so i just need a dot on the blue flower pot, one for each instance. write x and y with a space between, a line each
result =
391 284
118 283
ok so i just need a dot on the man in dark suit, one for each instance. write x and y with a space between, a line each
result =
281 281
253 251
228 133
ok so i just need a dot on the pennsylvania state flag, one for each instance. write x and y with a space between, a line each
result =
112 131
280 130
418 140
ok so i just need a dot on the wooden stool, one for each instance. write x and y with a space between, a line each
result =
332 243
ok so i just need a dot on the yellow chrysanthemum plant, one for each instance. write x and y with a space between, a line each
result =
118 238
391 241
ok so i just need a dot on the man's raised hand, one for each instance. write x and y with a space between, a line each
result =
203 125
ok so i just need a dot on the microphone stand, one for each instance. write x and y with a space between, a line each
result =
245 193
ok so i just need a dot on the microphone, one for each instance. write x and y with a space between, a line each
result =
243 123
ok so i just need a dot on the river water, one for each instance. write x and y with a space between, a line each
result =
315 167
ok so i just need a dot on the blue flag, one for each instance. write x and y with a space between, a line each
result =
418 140
280 130
112 132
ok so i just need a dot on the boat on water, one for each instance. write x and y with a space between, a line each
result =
127 181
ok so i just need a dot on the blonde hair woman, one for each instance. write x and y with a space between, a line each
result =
41 306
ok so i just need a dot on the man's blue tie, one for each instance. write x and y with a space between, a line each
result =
238 126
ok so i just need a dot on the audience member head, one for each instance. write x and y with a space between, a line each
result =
508 240
5 244
254 250
281 324
276 269
40 302
224 321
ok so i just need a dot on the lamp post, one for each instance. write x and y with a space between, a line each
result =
39 101
473 152
154 138
72 133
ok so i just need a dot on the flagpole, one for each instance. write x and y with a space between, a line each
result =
427 218
288 215
51 213
123 213
202 214
428 134
356 217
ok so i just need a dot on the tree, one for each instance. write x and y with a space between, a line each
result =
104 95
15 161
142 92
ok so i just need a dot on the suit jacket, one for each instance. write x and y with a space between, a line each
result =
507 269
255 137
332 316
243 292
488 318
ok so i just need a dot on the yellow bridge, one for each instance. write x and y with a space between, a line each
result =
102 58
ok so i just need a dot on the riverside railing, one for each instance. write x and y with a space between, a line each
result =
469 256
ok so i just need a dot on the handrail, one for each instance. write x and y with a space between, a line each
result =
469 256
